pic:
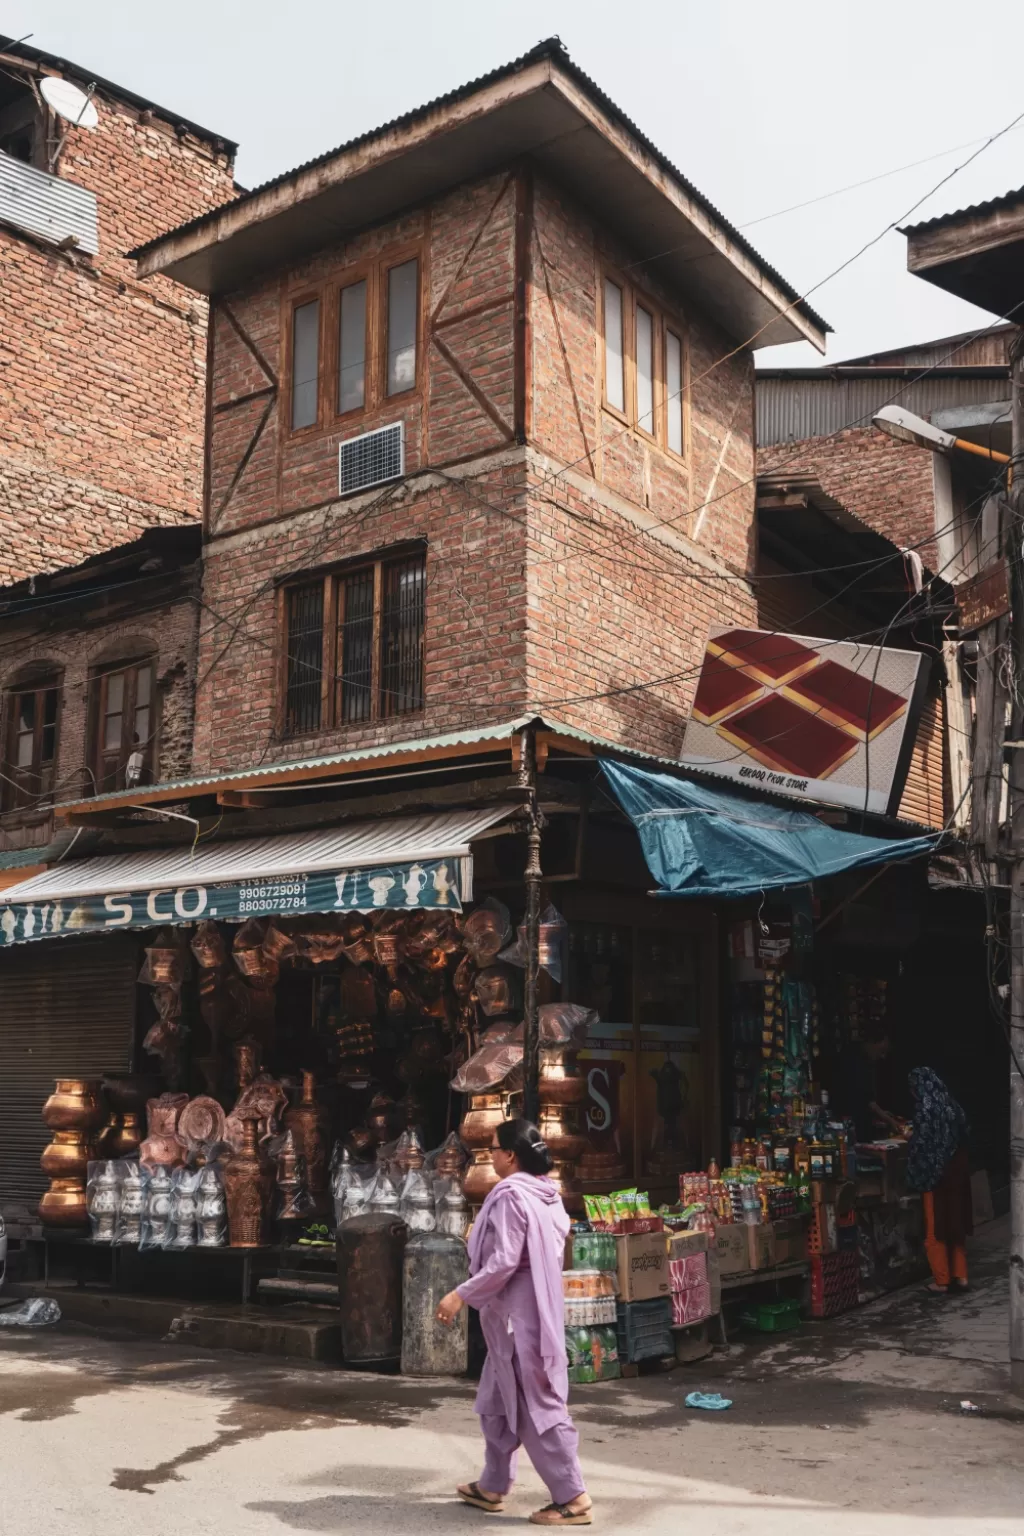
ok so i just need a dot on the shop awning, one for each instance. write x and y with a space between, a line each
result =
699 841
409 862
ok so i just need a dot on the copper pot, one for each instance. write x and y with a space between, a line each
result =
561 1081
486 1110
248 1186
166 967
561 1131
162 1145
76 1104
381 1117
126 1140
307 1122
68 1156
480 1178
64 1204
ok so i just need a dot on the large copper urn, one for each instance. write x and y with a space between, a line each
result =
248 1187
485 1113
307 1122
74 1112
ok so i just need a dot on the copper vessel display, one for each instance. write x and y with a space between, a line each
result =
247 1063
486 1111
291 1181
560 1080
380 1117
165 966
67 1156
76 1104
604 1168
126 1138
248 1188
162 1145
64 1204
308 1123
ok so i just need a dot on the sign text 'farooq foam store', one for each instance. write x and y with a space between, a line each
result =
825 720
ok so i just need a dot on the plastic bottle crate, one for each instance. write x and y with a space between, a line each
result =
835 1280
644 1329
772 1316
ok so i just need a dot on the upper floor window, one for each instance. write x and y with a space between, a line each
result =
370 318
122 725
30 756
645 366
353 644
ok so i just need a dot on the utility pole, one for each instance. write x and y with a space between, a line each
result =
1015 559
532 880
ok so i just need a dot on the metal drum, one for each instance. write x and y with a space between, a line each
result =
433 1266
370 1250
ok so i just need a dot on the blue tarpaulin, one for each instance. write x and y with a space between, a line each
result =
707 842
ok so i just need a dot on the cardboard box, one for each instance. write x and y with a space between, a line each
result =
823 1219
682 1244
630 1224
643 1266
714 1283
731 1249
761 1246
791 1239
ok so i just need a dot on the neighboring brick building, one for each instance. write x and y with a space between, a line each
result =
91 658
559 326
102 375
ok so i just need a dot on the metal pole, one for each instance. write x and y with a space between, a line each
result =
532 881
1015 553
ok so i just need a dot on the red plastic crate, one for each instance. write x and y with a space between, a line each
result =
835 1279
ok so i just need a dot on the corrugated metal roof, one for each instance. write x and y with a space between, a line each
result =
795 406
358 845
993 205
481 735
551 48
47 206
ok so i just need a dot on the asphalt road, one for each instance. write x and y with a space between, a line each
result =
851 1427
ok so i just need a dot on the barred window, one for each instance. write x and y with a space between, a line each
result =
354 642
32 711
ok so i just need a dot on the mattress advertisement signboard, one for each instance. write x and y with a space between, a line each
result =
831 721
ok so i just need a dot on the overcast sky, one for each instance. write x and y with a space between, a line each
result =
762 103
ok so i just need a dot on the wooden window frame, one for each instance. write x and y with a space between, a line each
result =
334 579
99 678
374 270
10 801
663 320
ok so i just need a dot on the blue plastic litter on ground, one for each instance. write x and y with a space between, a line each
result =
710 1400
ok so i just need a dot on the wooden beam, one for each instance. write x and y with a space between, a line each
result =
969 235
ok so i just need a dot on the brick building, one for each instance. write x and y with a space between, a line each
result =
102 374
551 334
97 662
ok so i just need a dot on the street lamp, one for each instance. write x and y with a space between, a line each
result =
905 427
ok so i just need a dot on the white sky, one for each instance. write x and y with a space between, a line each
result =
761 103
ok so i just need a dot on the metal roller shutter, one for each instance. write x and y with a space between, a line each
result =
67 1009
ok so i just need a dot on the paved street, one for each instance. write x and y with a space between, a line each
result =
851 1426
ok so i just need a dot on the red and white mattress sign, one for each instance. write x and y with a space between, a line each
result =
824 720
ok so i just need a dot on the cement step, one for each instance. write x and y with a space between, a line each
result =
293 1331
297 1287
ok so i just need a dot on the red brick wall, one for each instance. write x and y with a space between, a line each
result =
887 484
102 377
607 588
168 631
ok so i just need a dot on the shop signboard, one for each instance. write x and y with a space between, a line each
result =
830 721
408 887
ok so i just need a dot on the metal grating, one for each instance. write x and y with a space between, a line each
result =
373 458
402 615
305 658
46 206
66 1010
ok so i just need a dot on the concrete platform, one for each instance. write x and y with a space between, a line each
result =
292 1332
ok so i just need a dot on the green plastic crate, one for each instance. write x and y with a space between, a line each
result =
772 1316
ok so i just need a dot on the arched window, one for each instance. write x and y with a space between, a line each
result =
122 724
32 718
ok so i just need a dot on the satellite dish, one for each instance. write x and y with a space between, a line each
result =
68 102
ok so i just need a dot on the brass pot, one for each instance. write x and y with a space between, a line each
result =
248 1187
64 1204
561 1081
307 1122
76 1104
67 1157
561 1130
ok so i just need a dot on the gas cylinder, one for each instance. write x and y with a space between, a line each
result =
369 1250
434 1265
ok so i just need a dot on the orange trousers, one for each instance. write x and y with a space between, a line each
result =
948 1260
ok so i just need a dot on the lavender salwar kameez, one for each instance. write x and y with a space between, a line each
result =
515 1260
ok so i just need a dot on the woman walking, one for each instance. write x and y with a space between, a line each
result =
939 1167
515 1259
